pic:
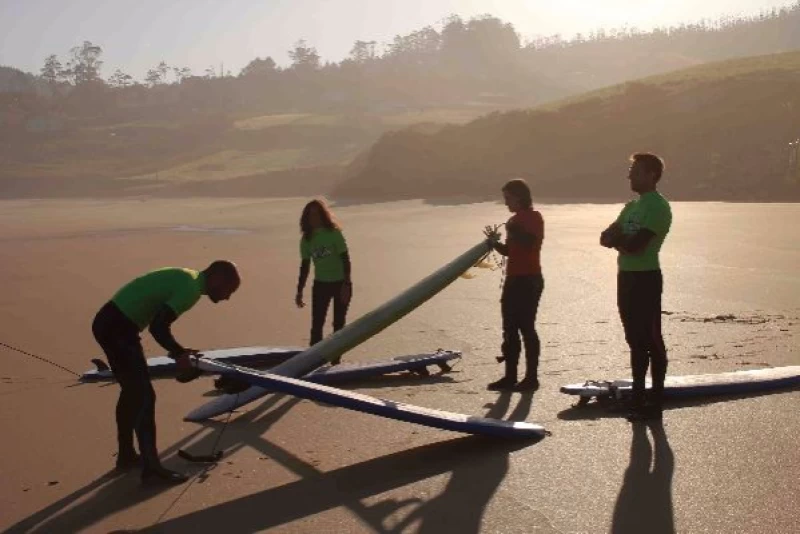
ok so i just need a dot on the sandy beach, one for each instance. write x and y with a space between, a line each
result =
732 297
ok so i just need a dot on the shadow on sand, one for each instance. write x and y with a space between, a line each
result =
477 466
616 409
644 503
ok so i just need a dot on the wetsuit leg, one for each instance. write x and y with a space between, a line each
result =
320 301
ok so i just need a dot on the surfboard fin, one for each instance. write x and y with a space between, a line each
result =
230 385
100 364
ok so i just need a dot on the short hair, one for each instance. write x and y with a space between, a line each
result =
225 269
650 162
519 188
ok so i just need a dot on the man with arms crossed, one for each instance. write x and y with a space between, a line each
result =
637 235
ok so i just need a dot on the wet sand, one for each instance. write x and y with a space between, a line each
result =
722 465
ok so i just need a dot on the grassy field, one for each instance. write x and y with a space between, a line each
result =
165 152
773 65
724 129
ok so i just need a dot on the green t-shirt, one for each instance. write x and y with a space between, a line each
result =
140 299
650 211
325 248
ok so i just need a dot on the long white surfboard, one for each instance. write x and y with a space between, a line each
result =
353 334
730 383
399 411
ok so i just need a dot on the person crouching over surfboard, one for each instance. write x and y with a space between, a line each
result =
323 242
522 289
637 235
155 299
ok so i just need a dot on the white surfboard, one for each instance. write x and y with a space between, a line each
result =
730 383
353 334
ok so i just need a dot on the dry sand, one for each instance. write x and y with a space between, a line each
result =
727 465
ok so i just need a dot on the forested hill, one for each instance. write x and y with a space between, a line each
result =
83 127
724 129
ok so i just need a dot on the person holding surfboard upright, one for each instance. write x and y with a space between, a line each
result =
323 243
155 299
522 288
637 235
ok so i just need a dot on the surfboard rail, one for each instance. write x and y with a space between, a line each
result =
380 407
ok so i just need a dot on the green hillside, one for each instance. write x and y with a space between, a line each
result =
199 153
724 129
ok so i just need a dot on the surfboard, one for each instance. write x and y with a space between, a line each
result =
730 383
267 357
381 407
416 364
158 366
354 333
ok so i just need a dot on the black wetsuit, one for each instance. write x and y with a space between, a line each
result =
519 305
322 293
639 303
119 338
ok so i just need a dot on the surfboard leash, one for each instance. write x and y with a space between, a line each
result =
41 358
215 455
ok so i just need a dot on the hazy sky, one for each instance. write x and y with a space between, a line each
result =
137 34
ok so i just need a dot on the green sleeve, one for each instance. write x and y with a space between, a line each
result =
305 249
622 212
183 298
340 245
657 218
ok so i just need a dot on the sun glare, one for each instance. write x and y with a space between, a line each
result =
582 16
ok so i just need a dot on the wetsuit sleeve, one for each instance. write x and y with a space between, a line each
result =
161 331
502 248
347 265
613 236
610 237
305 266
635 243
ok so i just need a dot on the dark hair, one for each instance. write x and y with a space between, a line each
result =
226 270
519 188
328 220
650 162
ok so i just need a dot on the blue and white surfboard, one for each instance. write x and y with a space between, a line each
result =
381 407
